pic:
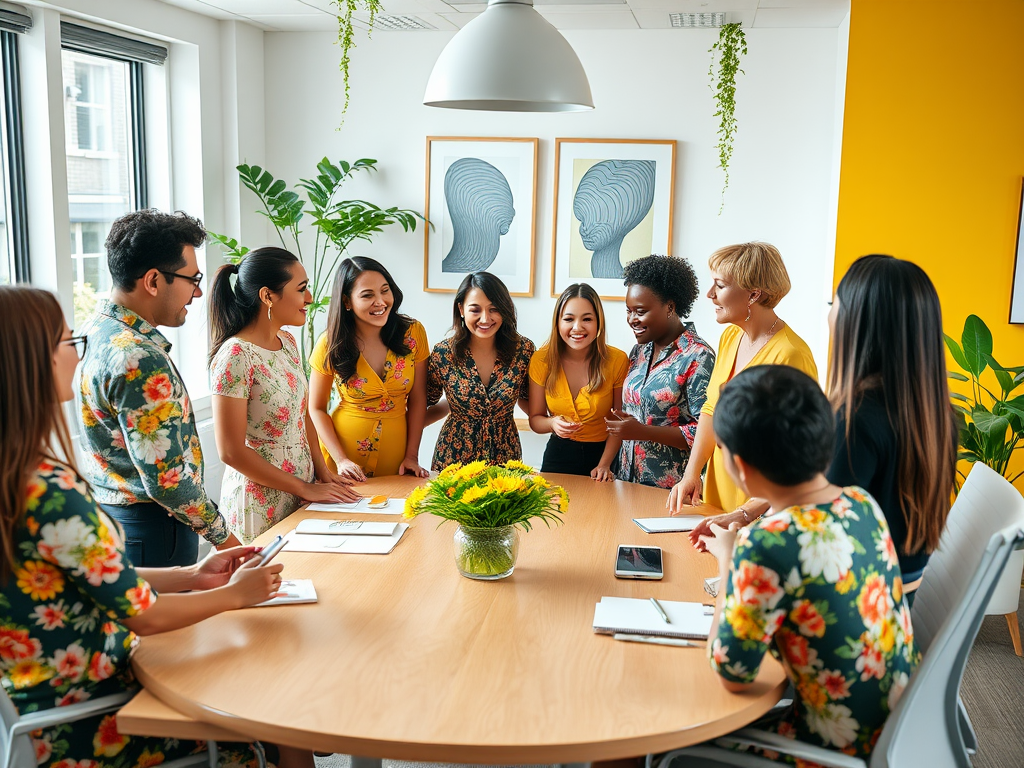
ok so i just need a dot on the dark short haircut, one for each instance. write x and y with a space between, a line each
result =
671 278
149 239
777 419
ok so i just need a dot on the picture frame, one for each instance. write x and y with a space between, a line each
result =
481 196
1017 289
631 181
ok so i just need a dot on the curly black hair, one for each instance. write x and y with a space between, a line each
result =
149 239
670 277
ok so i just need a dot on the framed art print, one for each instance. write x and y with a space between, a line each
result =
1017 293
612 204
482 200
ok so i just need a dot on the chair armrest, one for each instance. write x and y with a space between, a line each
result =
58 715
765 740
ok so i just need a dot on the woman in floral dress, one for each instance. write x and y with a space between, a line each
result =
483 372
259 395
669 370
375 362
817 582
71 603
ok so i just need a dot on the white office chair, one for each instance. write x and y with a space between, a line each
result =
17 746
929 725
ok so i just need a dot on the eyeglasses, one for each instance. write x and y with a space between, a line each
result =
79 343
195 279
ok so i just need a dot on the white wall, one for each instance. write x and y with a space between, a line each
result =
646 84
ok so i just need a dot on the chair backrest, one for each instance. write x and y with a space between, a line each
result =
22 755
984 525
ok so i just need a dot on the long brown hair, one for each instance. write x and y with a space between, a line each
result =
597 353
506 340
31 419
888 340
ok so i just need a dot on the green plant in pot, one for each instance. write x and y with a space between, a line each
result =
991 425
338 223
490 503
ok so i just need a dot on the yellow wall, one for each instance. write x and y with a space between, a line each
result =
933 151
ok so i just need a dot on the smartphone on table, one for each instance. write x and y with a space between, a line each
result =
638 563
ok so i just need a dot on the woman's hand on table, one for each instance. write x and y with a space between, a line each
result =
251 584
349 469
624 426
329 493
686 493
602 473
705 528
410 466
564 428
216 569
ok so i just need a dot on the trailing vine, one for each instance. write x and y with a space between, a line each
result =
346 36
730 44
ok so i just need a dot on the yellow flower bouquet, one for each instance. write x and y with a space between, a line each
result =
489 503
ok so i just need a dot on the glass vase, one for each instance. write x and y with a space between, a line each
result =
487 554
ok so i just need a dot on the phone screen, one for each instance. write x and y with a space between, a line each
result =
639 559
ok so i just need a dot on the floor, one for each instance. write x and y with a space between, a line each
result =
992 690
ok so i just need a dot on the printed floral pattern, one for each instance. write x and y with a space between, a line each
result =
273 383
370 416
138 434
667 392
820 587
481 425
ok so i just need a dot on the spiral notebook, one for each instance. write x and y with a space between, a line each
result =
668 524
633 616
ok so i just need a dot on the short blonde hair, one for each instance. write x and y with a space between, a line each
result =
754 267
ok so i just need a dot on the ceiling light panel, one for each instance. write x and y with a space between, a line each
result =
383 21
696 20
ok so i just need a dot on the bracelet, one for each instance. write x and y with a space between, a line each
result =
743 511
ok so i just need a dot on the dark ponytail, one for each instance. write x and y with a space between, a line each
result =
233 308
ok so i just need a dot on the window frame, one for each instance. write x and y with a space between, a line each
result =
14 159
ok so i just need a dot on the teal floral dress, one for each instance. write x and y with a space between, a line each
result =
820 587
61 636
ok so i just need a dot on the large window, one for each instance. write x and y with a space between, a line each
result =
13 224
101 157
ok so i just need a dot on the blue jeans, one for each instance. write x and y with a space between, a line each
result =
154 539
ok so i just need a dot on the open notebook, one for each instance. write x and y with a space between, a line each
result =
352 545
667 524
633 616
361 507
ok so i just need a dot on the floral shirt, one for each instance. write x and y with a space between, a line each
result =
138 434
667 392
821 588
481 425
61 640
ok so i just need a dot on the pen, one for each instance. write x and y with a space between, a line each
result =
660 610
678 642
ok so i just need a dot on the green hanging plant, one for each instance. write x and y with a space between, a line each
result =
730 44
346 36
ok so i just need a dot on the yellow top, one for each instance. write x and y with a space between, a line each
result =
589 408
371 407
784 348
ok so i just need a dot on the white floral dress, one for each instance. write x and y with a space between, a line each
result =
275 386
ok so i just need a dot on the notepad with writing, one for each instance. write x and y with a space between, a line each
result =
639 617
361 507
668 524
346 527
352 545
293 591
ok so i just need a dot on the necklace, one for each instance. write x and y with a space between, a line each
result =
767 336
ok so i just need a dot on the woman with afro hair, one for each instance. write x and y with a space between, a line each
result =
669 370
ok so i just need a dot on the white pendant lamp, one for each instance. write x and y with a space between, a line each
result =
509 59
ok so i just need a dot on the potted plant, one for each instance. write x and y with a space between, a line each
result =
991 429
338 223
490 503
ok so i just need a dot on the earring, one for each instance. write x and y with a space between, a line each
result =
270 306
748 311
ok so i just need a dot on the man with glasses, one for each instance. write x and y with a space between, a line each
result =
138 433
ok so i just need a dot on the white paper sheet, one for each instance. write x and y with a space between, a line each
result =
346 527
668 524
361 507
639 617
358 545
295 591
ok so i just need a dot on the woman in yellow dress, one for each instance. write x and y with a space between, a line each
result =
748 282
376 361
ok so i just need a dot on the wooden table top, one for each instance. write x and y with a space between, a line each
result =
404 658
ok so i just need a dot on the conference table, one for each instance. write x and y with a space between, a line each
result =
404 658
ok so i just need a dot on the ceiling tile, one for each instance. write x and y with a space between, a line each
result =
605 20
547 10
696 6
831 16
197 6
844 4
460 19
252 8
318 22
